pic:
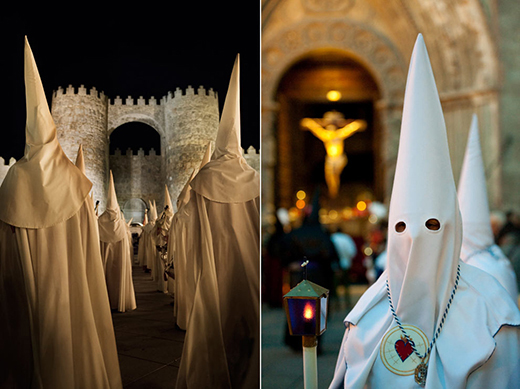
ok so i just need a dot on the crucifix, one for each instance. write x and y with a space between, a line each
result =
332 130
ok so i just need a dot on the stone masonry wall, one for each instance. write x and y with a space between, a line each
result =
192 121
138 176
81 118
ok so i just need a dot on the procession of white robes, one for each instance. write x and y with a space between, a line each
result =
222 342
60 328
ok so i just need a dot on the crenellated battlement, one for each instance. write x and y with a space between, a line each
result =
188 93
177 94
4 167
81 91
250 151
130 153
252 157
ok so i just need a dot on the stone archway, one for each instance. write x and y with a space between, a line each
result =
138 169
134 208
463 51
367 46
117 121
302 93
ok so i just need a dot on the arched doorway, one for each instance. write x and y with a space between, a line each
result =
303 93
137 163
134 209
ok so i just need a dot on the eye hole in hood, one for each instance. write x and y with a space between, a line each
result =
400 226
432 224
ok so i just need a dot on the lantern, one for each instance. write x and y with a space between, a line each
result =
306 309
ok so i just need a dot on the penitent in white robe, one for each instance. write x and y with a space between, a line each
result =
222 343
55 325
115 252
182 238
71 333
118 272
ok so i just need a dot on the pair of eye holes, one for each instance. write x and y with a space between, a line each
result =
431 224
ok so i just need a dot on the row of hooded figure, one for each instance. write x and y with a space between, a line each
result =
62 268
153 244
207 256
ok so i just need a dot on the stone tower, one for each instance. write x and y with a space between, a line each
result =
81 118
187 116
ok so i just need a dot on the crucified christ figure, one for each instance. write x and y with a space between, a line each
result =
332 130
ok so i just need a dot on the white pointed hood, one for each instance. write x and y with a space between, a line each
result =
80 161
227 178
184 196
422 263
168 202
33 194
112 227
164 222
473 198
478 244
152 215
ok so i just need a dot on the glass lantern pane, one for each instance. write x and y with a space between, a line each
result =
323 315
302 313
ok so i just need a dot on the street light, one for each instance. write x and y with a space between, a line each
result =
306 309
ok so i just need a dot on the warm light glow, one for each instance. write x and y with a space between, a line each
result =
372 219
333 214
347 213
333 150
308 312
361 206
293 214
300 204
368 251
300 195
333 95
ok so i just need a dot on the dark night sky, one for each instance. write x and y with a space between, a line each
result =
135 51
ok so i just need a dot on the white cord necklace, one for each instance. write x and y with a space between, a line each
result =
422 368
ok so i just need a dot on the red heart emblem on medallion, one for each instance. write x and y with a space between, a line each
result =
404 349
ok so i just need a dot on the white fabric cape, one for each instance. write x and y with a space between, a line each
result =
54 312
478 245
181 241
221 347
115 252
162 231
222 343
58 272
149 240
479 343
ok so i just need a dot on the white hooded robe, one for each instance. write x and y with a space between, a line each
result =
51 266
479 342
478 244
222 343
115 251
181 246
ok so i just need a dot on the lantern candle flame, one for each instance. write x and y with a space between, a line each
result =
308 312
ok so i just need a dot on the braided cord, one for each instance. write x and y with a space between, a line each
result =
438 331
